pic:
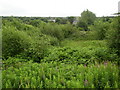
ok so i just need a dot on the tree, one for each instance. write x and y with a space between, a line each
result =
88 17
61 20
44 19
35 23
71 19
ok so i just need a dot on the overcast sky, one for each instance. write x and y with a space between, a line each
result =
57 8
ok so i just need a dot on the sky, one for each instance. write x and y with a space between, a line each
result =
57 8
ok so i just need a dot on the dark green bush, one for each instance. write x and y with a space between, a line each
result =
68 30
103 54
79 35
38 48
82 25
14 42
100 28
30 44
53 41
113 35
53 30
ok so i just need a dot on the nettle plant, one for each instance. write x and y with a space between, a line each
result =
79 56
66 55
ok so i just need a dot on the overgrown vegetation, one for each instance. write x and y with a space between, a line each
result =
59 75
38 53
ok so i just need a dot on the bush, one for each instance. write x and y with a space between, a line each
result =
68 30
79 35
38 48
53 30
30 44
113 36
100 28
53 41
82 25
14 41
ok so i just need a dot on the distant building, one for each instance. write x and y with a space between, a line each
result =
76 20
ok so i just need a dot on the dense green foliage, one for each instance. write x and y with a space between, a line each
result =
87 18
16 39
71 19
61 20
113 35
39 53
59 75
100 28
80 55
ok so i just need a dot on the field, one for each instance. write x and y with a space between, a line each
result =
37 54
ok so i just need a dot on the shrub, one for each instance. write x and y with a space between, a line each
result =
100 28
14 41
53 41
68 30
82 25
113 36
30 44
79 35
38 48
53 30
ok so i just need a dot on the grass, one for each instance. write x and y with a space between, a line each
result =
84 43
